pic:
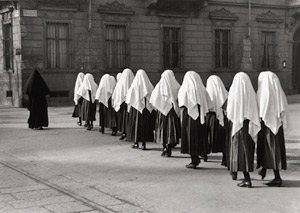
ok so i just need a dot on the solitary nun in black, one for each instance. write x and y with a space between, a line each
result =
141 115
77 98
195 103
37 89
119 97
107 114
164 100
215 118
272 104
88 91
242 112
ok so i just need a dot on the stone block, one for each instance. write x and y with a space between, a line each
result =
68 207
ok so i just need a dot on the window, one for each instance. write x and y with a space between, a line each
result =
58 42
222 48
268 48
7 46
116 46
172 47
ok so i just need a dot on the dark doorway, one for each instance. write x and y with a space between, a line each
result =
296 62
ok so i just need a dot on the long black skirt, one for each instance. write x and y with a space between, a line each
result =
38 112
216 134
88 110
167 129
77 109
122 118
107 115
241 150
140 126
193 135
271 152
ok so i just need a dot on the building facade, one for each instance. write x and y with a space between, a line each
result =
222 37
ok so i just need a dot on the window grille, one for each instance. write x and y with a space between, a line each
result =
172 47
8 46
268 48
222 48
116 46
58 42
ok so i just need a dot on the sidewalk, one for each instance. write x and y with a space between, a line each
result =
65 168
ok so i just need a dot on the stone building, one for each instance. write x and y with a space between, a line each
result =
63 37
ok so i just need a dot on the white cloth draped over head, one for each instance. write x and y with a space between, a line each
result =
106 88
165 93
139 92
121 89
242 105
88 84
272 103
78 83
193 93
119 76
218 95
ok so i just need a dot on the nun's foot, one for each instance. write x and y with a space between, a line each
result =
79 123
85 125
262 173
169 152
191 166
274 183
135 146
233 175
113 133
40 128
246 184
90 127
205 158
122 137
164 152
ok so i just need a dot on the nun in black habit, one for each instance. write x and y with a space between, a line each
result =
37 89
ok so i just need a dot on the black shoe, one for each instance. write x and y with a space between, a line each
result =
246 184
122 137
79 123
191 166
113 134
274 183
262 173
85 125
40 128
233 175
205 158
169 152
90 127
135 146
164 152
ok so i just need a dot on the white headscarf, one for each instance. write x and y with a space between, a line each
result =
140 89
106 88
78 83
193 93
119 76
88 84
165 93
218 95
242 105
272 103
121 89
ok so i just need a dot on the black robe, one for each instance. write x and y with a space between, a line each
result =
88 109
37 89
107 115
122 118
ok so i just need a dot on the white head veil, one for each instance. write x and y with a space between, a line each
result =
121 89
78 83
272 101
165 93
88 84
106 87
140 89
218 95
242 105
193 93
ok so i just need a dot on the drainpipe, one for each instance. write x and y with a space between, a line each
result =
249 19
90 15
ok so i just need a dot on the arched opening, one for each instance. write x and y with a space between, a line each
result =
296 62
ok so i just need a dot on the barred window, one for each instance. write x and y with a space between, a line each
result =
172 47
57 47
268 49
7 46
116 46
222 48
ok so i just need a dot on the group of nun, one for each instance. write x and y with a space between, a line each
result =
203 119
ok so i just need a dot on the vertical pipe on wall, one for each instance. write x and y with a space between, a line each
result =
90 15
249 19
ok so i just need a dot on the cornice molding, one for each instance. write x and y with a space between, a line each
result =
223 14
115 8
269 17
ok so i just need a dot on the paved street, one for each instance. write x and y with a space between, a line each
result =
65 168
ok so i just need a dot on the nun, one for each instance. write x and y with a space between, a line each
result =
119 97
88 92
215 118
141 119
37 89
272 105
164 99
194 102
77 98
242 113
107 114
